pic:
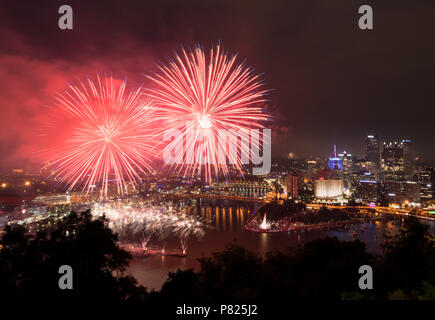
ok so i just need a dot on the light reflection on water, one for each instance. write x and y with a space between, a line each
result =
227 220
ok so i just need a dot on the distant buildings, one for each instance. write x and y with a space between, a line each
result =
408 159
347 165
347 162
393 162
335 163
313 165
427 180
410 192
401 183
367 191
372 150
388 173
291 184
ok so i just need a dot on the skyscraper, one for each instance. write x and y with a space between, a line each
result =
393 163
372 149
291 183
427 179
408 159
334 162
346 160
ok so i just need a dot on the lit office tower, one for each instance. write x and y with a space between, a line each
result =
346 160
291 184
393 162
427 177
335 163
408 159
313 166
372 149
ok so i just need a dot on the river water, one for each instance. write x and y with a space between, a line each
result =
225 221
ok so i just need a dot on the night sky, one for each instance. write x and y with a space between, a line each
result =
332 82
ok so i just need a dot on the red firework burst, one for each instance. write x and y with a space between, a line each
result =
110 139
200 96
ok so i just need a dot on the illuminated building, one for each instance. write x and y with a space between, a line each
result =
427 179
411 191
408 160
347 162
291 183
312 167
367 191
329 189
369 171
393 162
372 150
393 189
335 163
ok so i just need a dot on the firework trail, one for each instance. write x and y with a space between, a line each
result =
110 139
200 95
140 224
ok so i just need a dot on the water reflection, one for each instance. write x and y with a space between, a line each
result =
223 215
227 219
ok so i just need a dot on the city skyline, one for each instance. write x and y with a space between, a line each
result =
219 157
340 148
307 66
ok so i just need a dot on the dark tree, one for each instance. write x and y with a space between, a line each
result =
29 265
410 258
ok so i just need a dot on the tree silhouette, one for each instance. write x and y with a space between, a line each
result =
321 269
410 258
29 264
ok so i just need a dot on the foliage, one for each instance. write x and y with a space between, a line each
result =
321 269
29 264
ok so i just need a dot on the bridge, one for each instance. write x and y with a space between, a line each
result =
215 197
380 210
249 189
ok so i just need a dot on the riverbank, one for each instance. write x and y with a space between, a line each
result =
285 226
